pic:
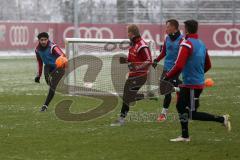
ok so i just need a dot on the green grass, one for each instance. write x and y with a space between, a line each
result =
26 134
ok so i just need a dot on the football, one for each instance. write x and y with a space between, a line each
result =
61 62
209 82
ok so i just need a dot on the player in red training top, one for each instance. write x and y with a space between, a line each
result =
139 60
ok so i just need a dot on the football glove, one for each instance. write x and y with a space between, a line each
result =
155 62
37 79
122 60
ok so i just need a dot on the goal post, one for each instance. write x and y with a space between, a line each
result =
94 67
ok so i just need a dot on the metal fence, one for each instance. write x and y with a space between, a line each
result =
219 20
120 11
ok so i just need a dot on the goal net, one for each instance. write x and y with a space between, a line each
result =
94 67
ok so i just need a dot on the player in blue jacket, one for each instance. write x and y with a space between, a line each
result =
193 62
46 53
169 52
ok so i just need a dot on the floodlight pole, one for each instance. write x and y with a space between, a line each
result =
197 10
75 16
233 12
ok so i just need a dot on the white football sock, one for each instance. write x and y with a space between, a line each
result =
164 111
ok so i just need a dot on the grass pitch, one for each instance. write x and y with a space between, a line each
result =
27 134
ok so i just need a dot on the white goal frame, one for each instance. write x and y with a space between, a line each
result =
68 41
